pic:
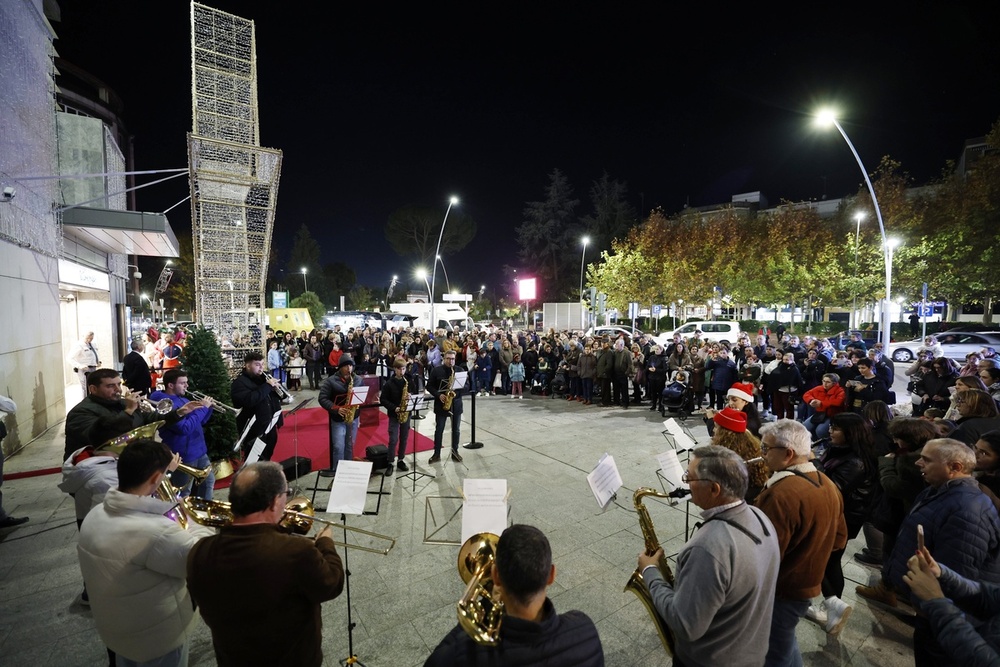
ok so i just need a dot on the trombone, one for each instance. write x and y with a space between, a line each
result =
300 516
162 406
217 406
298 519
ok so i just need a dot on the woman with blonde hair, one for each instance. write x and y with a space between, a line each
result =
731 432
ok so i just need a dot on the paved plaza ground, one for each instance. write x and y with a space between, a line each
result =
404 603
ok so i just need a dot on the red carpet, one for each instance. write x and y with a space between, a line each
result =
314 435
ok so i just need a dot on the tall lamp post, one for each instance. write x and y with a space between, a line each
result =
446 281
437 253
857 241
305 281
827 117
422 274
583 254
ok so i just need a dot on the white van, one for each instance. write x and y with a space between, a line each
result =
723 331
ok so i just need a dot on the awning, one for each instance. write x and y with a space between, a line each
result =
122 232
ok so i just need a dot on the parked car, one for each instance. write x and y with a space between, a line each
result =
840 341
721 331
614 332
956 344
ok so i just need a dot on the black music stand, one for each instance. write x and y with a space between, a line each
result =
416 401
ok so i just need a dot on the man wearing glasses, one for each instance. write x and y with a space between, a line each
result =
720 606
808 516
253 576
440 384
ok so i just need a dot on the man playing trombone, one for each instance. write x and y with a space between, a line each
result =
258 588
186 436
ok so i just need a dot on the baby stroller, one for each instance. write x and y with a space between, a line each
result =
560 383
677 397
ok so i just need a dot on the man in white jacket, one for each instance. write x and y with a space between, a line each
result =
134 563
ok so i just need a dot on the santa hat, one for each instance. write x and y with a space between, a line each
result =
731 420
742 390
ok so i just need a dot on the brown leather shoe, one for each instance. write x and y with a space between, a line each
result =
880 593
434 459
455 456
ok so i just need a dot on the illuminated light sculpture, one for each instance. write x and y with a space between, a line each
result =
234 182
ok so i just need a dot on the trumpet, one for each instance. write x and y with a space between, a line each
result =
217 406
162 406
298 519
280 388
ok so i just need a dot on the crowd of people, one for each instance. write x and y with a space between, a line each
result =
824 460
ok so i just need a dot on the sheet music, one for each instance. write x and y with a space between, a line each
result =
350 487
246 431
255 451
359 394
485 507
604 480
274 420
671 469
681 439
461 379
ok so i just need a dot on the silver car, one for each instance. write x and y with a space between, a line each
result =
956 345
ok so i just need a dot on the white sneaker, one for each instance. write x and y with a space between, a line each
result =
817 613
837 612
510 395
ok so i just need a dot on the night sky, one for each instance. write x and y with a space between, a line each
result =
378 107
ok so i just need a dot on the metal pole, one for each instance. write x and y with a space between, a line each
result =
437 253
854 307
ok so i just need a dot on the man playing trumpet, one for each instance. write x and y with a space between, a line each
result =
105 399
186 436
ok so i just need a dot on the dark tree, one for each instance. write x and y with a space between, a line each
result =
413 231
612 215
207 373
550 236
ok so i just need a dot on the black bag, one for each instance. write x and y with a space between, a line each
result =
378 455
296 467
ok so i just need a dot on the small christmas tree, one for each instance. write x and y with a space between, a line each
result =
207 373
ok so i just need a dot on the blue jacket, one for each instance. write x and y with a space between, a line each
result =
961 530
968 640
724 373
185 436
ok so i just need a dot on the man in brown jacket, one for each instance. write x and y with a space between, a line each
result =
808 514
253 576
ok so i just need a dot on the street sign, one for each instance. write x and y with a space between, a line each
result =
656 310
633 309
279 299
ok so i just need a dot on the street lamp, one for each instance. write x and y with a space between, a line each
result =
422 274
826 117
859 216
305 281
437 253
446 281
583 254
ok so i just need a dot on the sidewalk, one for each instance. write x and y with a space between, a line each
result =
404 603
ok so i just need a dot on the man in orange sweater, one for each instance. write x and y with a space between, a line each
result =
808 515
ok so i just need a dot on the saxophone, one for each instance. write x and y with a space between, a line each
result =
449 394
401 412
636 584
351 409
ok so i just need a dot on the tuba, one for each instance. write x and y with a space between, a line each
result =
401 412
636 584
449 393
479 613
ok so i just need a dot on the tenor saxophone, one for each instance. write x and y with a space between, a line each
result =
351 409
449 394
401 412
636 584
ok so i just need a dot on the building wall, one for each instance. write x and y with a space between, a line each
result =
31 364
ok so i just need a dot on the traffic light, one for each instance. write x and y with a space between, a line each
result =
602 302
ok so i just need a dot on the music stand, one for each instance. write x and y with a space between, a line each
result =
415 401
355 399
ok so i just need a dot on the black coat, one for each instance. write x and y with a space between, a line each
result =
135 373
256 398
